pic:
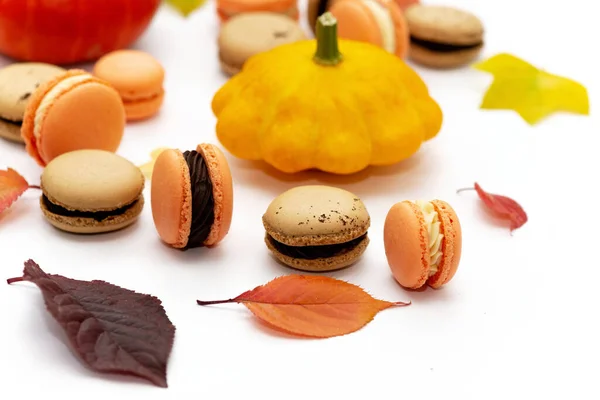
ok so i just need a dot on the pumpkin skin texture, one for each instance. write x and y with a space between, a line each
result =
297 113
70 31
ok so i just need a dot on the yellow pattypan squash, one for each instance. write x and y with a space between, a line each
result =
339 109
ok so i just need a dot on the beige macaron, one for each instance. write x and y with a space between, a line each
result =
17 82
248 34
317 228
91 191
443 37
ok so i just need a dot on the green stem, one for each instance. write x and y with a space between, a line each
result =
327 52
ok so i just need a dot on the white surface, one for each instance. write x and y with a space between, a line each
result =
519 321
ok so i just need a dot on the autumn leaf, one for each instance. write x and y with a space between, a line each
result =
113 330
12 186
502 206
186 7
149 166
531 92
311 306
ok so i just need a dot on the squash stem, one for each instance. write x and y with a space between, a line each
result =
327 52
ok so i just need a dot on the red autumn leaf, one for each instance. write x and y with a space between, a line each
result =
311 306
504 207
114 330
12 186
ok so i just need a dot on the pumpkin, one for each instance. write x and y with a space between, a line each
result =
71 31
340 109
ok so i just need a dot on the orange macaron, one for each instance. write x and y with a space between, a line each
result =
73 111
138 77
230 8
423 243
379 22
192 197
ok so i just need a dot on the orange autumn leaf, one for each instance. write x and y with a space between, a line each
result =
311 306
12 186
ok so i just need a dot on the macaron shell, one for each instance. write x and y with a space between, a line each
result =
321 264
443 60
404 4
90 115
356 22
142 109
135 74
444 24
10 132
91 226
222 183
245 35
405 241
316 215
228 8
400 27
171 198
451 244
92 180
17 82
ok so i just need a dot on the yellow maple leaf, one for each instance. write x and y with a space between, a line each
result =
186 7
531 92
149 166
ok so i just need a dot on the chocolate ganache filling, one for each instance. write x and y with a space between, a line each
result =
442 47
314 252
96 215
203 205
322 8
8 121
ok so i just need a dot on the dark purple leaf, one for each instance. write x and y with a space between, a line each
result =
113 330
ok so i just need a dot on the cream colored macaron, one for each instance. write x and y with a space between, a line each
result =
91 191
17 82
317 228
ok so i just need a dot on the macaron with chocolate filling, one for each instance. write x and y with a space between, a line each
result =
192 197
423 243
91 191
317 228
443 37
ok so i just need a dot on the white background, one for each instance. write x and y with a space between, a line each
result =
519 321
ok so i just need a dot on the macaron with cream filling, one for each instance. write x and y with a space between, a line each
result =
72 111
379 22
423 243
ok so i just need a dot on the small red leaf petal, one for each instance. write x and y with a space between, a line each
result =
12 186
504 207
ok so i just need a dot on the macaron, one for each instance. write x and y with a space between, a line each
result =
229 8
379 22
423 243
91 191
138 77
72 111
192 197
317 228
443 37
404 4
17 83
245 35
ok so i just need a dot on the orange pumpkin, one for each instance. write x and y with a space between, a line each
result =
71 31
